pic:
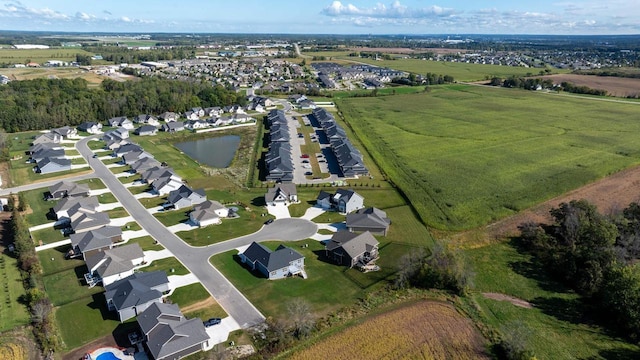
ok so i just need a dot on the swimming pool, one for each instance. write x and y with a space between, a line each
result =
107 356
110 353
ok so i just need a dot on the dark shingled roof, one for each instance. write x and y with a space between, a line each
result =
136 289
272 260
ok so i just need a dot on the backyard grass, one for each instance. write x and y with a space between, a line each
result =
53 260
12 312
557 331
153 202
47 236
188 297
170 265
468 155
39 207
326 289
67 286
172 217
131 226
146 243
94 184
107 198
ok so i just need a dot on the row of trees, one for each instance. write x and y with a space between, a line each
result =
42 315
541 83
596 256
46 103
428 79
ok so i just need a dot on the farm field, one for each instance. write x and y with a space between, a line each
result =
469 155
460 71
424 330
19 74
615 86
40 56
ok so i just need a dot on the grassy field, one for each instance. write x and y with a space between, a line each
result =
146 243
12 312
67 286
53 261
557 330
468 155
170 265
424 330
40 56
39 207
195 301
47 236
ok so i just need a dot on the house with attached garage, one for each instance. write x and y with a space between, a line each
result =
45 152
278 264
207 213
120 133
91 127
370 219
88 243
168 334
66 132
281 194
167 183
110 265
133 156
130 296
169 116
146 130
184 196
195 124
121 121
173 126
343 201
352 249
70 205
147 119
65 188
126 148
38 148
51 165
153 173
51 138
145 163
83 219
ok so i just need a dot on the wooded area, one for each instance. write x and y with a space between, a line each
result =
48 103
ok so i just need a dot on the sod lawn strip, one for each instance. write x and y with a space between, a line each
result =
12 312
170 265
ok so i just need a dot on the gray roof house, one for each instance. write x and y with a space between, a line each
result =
169 335
67 189
184 196
169 116
50 137
44 146
343 201
278 264
166 183
120 133
154 173
207 213
91 127
173 126
133 156
147 119
69 205
350 249
145 163
146 130
90 242
51 153
370 219
121 121
281 194
126 148
51 165
66 131
110 265
134 294
84 220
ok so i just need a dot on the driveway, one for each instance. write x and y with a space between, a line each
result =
279 210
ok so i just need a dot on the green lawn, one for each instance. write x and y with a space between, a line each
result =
192 294
113 160
134 190
118 212
557 331
153 202
146 243
167 265
97 145
47 236
131 226
468 155
94 184
171 217
12 311
327 288
22 56
247 223
53 260
39 207
107 198
67 286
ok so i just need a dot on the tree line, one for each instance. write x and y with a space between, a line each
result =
48 103
596 256
529 83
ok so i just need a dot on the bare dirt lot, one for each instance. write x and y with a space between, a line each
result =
410 51
515 301
609 194
615 86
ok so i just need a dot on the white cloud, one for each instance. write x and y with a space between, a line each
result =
394 10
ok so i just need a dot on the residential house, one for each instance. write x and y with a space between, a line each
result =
169 116
278 264
50 137
281 194
83 219
110 265
173 126
169 335
198 111
70 205
184 196
370 219
196 124
154 173
116 143
133 156
121 121
166 183
91 127
126 148
147 119
66 132
351 249
146 130
343 201
213 111
145 163
67 189
120 133
191 115
207 213
51 165
39 148
47 152
134 294
88 243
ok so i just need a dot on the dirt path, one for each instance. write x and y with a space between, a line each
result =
502 297
199 305
78 353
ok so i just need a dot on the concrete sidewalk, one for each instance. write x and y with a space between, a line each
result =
53 245
333 227
176 281
132 234
121 221
107 207
185 226
99 192
312 213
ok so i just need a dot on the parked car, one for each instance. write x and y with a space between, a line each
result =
308 173
305 161
268 222
321 160
304 156
300 135
212 321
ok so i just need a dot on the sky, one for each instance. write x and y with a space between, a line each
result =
580 17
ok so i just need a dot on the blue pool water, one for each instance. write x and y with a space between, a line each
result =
107 356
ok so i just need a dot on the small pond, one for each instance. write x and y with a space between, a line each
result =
217 152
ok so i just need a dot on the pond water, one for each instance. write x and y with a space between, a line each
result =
217 152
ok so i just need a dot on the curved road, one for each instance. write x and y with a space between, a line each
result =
196 259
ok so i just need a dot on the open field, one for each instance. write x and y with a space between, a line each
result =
424 330
461 157
12 312
52 73
195 301
40 56
615 86
557 330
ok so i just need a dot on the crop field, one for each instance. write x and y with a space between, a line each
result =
615 86
468 155
40 56
424 330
